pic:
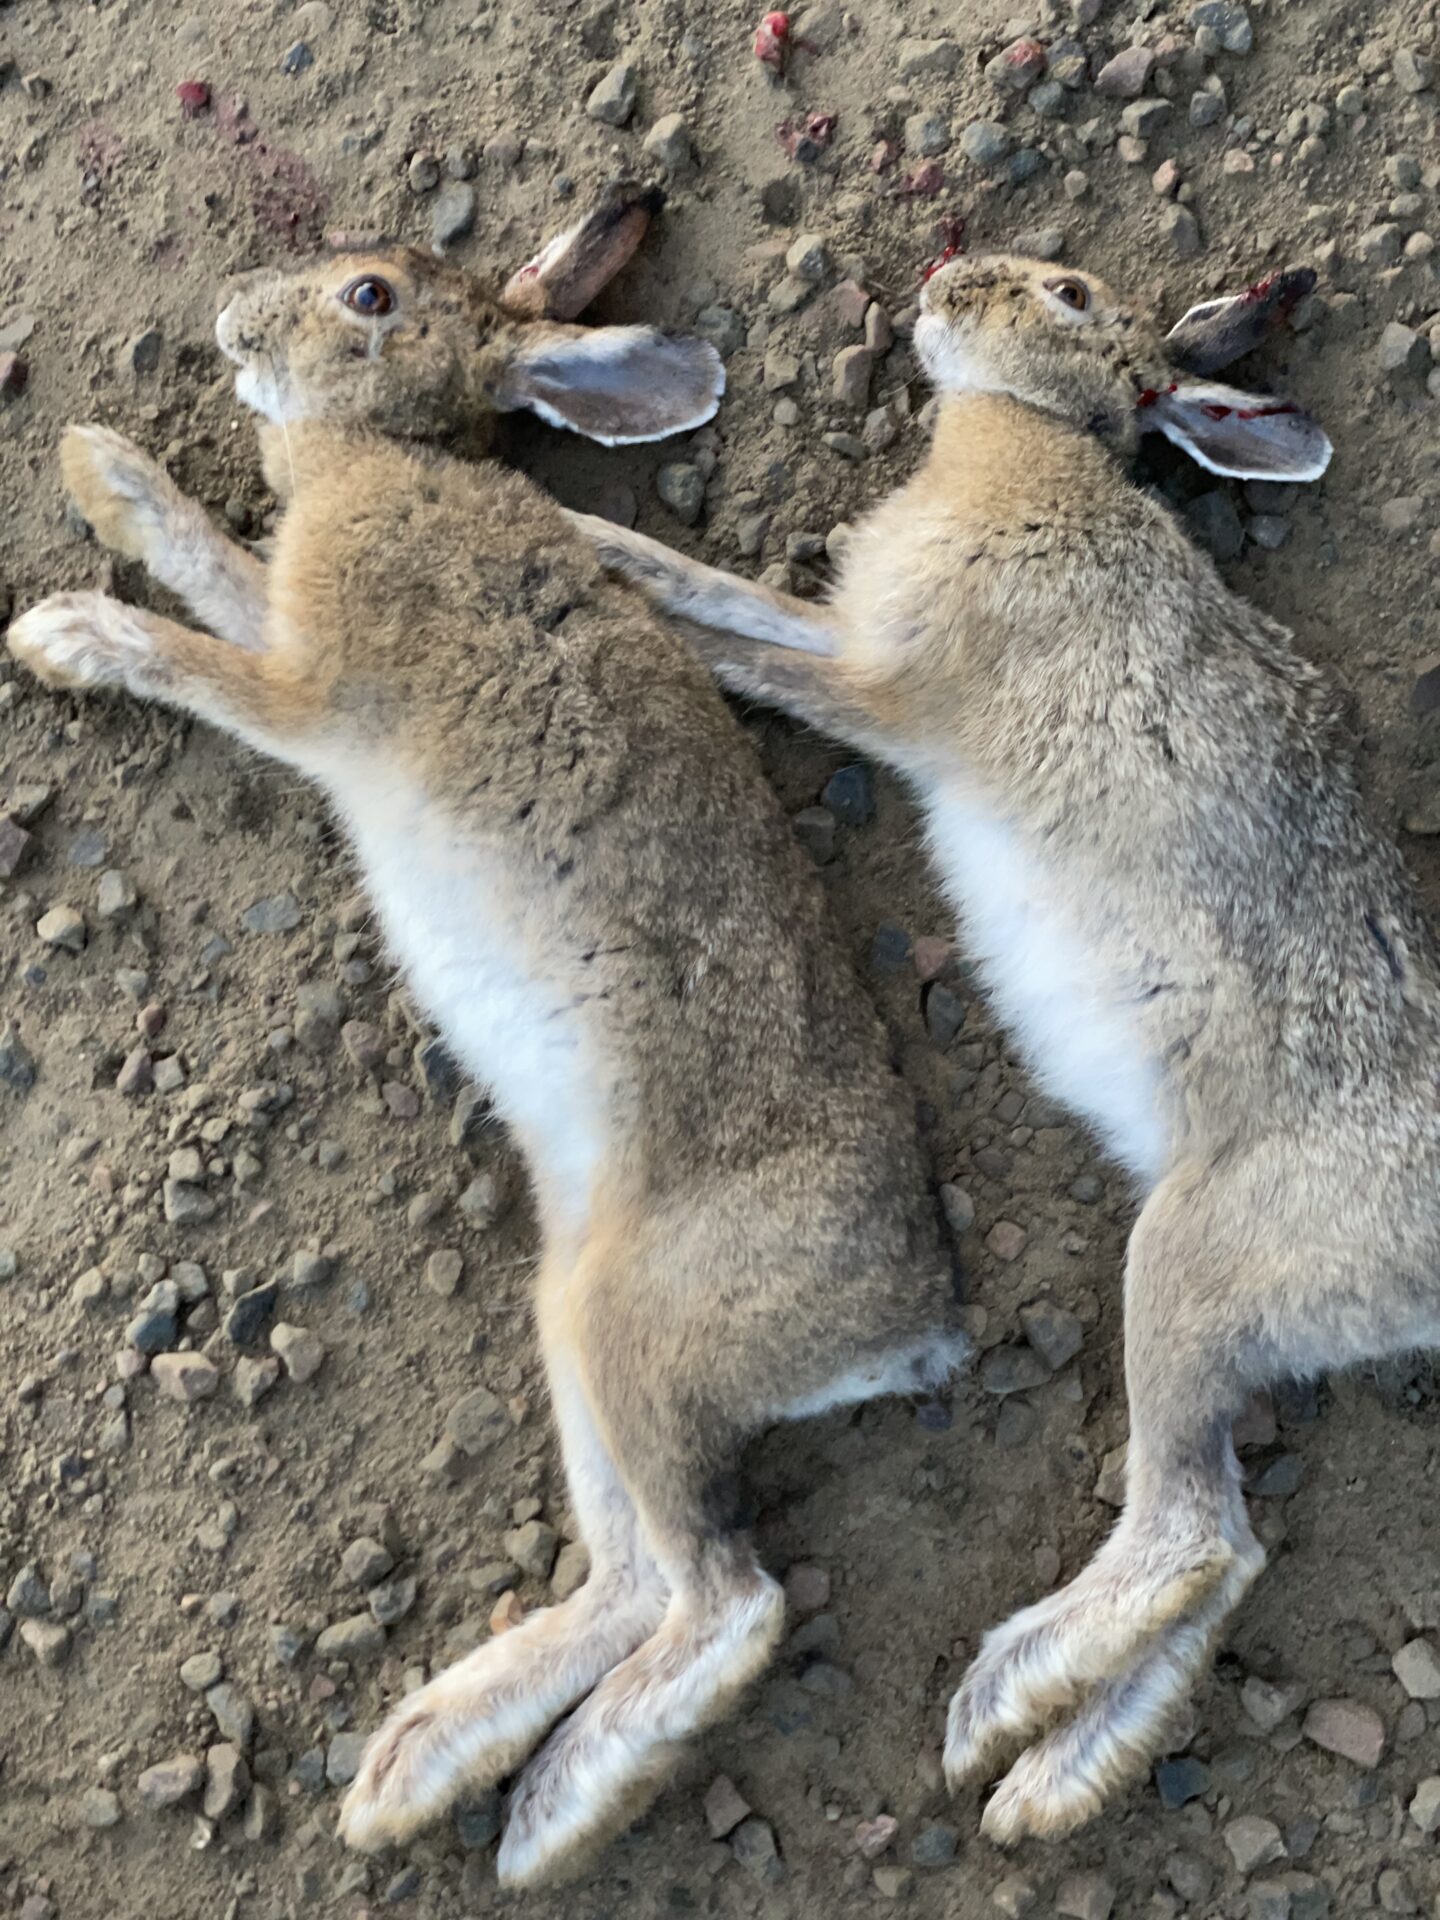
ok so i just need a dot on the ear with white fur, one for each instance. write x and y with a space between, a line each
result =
1243 435
613 384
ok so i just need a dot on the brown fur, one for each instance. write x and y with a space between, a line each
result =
759 1226
1021 624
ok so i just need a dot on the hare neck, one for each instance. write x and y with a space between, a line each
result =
995 459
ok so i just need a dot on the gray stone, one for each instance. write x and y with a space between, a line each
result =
302 1351
342 1758
1414 72
1085 1896
1215 524
63 927
232 1714
922 59
1054 1332
245 1323
612 100
927 133
1126 75
172 1781
753 1845
533 1547
1417 1668
1349 1728
1144 118
1425 1805
115 896
1402 350
936 1845
361 1637
1229 23
475 1423
1253 1843
1181 1780
453 214
227 1780
1206 108
808 258
944 1014
669 143
29 1596
1012 1370
572 1566
262 1814
278 913
156 1326
477 1821
100 1808
17 1067
682 488
850 794
47 1640
365 1562
958 1207
985 142
393 1600
201 1670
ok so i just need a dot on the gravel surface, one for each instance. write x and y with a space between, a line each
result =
274 1440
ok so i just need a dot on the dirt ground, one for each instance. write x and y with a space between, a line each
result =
155 1531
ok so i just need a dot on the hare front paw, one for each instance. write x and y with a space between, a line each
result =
81 640
125 496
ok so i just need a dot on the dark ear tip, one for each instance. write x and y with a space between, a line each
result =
625 195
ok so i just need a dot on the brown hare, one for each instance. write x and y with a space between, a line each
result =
589 885
1139 803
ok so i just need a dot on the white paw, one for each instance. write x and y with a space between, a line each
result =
80 640
126 496
1041 1797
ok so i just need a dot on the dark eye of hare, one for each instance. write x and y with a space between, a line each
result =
1074 293
369 296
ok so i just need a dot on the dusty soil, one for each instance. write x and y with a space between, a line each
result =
163 1530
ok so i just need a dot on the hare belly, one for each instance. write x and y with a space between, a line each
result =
466 960
1046 987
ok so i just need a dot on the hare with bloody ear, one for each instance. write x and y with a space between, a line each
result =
1139 802
591 888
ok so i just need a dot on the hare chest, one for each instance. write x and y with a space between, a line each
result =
493 988
1046 983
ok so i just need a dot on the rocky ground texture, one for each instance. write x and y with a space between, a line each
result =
272 1436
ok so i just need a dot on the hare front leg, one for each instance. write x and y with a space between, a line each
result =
1129 1635
137 510
90 640
708 595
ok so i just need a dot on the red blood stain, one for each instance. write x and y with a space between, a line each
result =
951 235
1259 290
807 140
1152 394
194 97
772 40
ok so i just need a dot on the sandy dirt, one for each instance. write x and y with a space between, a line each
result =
137 1533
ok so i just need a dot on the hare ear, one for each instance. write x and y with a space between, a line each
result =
567 273
613 384
1243 435
1218 332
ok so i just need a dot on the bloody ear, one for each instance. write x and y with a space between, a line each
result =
1243 435
613 384
1218 332
568 272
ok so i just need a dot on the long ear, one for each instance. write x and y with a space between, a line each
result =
1218 332
568 272
613 384
1240 434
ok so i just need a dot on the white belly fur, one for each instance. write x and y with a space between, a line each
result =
471 966
1045 986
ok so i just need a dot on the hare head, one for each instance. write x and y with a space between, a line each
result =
410 345
1061 341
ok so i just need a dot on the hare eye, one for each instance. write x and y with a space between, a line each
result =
1074 293
369 296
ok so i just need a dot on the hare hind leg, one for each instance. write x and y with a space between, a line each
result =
1129 1634
476 1721
675 1436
